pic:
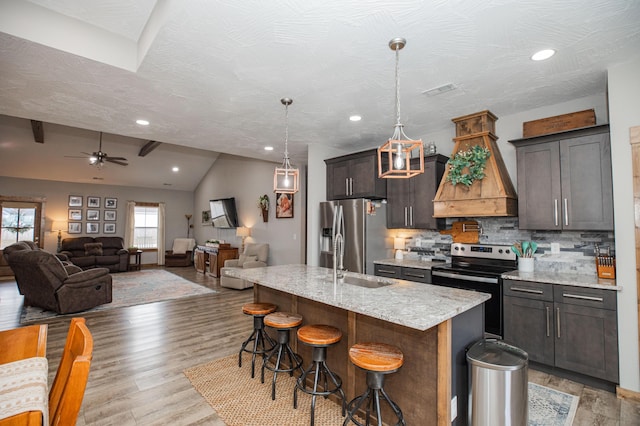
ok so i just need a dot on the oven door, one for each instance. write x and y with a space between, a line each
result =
481 282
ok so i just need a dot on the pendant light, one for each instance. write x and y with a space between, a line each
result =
394 156
286 178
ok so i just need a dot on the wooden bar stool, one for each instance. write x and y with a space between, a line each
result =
258 336
378 360
282 322
319 337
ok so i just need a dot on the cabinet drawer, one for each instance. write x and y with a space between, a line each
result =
584 296
387 271
528 290
416 274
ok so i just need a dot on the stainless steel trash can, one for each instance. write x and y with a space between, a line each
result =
498 384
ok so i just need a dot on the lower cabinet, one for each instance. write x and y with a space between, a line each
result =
573 328
403 273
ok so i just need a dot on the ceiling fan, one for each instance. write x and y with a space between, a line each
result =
99 157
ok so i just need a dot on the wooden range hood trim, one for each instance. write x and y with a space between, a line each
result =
494 195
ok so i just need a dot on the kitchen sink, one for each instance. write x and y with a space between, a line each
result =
363 282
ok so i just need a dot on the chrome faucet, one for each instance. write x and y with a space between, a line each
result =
338 243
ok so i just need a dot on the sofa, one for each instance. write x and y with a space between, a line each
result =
46 283
99 252
254 256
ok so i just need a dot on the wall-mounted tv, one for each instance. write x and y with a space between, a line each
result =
224 213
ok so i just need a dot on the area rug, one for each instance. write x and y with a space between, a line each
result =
240 400
133 288
550 407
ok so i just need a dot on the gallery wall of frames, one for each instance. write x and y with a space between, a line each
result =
92 214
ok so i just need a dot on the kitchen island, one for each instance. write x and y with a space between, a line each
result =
431 325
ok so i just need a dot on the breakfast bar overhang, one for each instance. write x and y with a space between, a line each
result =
432 326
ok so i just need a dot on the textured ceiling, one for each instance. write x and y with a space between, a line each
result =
210 74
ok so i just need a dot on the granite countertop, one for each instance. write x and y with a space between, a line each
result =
414 305
410 263
563 278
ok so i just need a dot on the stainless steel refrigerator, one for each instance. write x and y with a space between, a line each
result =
365 229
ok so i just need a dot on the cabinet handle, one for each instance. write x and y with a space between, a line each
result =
555 211
350 186
566 213
410 215
387 271
578 296
558 321
346 186
410 274
526 290
406 217
548 321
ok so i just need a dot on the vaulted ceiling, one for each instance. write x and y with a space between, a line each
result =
210 74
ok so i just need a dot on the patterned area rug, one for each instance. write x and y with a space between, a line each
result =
240 400
549 407
133 288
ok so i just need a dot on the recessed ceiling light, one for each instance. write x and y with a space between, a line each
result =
543 54
268 148
142 122
175 169
355 118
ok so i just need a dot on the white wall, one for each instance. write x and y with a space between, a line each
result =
246 180
624 108
178 203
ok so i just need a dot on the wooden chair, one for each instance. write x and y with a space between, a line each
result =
67 390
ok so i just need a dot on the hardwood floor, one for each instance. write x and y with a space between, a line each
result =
141 351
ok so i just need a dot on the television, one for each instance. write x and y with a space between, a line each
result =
224 213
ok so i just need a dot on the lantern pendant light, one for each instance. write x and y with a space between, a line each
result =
394 156
286 178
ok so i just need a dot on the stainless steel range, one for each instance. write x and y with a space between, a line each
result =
478 267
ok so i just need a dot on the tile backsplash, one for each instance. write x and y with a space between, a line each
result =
577 248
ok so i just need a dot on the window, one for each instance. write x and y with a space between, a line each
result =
145 235
17 225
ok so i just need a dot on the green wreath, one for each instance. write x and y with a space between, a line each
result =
474 160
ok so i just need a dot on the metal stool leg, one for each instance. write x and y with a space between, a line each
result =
375 389
283 351
259 336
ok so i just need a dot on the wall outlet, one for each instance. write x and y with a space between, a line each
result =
454 408
555 248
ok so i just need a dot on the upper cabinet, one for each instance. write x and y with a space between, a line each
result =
355 176
564 180
410 201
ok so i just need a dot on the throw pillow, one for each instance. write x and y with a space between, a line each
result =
242 259
180 245
93 249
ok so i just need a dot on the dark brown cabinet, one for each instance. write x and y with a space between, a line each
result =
569 327
564 180
410 201
355 176
403 273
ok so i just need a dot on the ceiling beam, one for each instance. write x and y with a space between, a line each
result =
148 147
38 131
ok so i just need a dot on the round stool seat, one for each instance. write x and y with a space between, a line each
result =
283 320
258 308
376 356
319 335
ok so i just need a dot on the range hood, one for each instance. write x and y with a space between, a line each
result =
494 195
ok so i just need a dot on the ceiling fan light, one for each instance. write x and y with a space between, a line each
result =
93 159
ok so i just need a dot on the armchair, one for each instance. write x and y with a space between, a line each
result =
45 283
181 254
254 256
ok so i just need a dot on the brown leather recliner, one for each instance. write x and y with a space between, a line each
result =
45 283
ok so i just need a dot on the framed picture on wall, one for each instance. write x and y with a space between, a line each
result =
75 227
109 228
93 214
75 214
206 217
110 215
93 201
93 227
75 200
110 203
284 205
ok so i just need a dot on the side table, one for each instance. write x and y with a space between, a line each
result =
137 262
